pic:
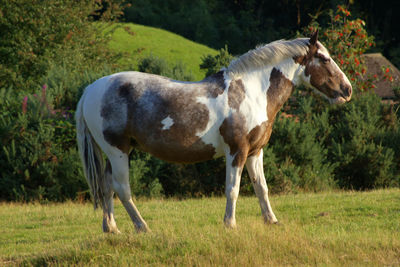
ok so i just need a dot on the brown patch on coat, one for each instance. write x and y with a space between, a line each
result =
307 58
234 132
179 143
241 143
117 137
258 137
133 113
278 92
236 94
215 84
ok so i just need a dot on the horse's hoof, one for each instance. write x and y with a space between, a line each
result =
230 224
270 221
143 229
110 230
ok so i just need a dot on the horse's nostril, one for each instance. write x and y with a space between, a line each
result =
350 90
346 90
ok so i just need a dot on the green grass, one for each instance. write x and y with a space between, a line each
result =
349 228
138 41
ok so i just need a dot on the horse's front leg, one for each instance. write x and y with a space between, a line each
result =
255 169
232 185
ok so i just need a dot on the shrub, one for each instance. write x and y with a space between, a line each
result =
301 155
346 40
213 64
36 163
156 65
365 159
34 34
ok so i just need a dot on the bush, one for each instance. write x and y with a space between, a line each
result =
213 64
301 155
360 145
38 159
156 65
35 34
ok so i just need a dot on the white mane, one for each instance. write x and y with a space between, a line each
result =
269 54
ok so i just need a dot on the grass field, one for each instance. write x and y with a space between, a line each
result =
138 41
349 228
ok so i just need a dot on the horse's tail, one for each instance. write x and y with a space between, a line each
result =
91 156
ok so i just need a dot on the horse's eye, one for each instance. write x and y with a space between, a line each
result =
325 60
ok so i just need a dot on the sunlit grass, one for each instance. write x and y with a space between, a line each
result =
140 41
315 229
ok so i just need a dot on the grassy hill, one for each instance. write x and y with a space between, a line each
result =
334 229
138 41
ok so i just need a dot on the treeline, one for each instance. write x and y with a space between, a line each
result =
243 24
51 53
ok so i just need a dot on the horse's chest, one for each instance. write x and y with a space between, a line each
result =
246 129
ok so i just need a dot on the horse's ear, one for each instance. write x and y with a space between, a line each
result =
314 38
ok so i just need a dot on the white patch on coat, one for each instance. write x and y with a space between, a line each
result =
254 105
291 70
218 110
315 62
322 50
257 83
167 123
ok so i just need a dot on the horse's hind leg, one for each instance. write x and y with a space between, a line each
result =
120 185
255 168
109 225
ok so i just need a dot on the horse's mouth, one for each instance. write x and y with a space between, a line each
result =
340 100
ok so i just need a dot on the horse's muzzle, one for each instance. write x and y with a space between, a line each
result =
346 92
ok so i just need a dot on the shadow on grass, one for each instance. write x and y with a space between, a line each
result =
93 251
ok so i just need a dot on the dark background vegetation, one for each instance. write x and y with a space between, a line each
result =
243 24
49 53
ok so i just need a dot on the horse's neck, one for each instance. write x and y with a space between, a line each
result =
260 78
277 82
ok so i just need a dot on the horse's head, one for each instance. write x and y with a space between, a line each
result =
323 74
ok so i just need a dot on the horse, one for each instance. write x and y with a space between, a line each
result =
229 114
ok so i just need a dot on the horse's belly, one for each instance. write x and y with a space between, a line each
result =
181 153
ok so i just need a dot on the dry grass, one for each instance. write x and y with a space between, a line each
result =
316 229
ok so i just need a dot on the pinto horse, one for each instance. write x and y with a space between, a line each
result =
229 114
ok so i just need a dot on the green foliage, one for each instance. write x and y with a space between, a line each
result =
213 64
36 34
159 66
361 147
137 42
244 24
301 157
239 24
355 144
346 40
38 161
144 171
